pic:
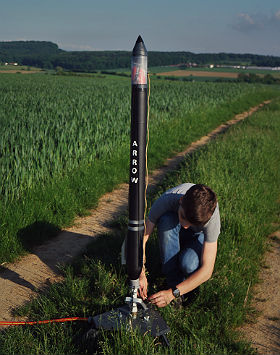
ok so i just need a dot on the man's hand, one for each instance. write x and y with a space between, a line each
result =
143 285
162 298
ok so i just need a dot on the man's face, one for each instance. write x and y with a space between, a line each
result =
182 219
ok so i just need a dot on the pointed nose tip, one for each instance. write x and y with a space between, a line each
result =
139 39
139 47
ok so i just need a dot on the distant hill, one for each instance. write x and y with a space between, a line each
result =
47 55
27 51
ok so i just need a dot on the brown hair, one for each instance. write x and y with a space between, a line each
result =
199 204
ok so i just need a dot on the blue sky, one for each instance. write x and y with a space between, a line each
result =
199 26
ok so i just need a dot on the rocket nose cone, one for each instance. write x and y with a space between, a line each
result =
139 47
139 39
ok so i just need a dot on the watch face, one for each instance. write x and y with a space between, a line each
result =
176 293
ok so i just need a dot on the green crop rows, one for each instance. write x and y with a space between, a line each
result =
50 125
65 141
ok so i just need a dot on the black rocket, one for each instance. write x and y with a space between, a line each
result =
146 319
137 184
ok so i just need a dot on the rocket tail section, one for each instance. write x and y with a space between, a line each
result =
135 254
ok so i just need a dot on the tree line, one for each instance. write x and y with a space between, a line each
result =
47 55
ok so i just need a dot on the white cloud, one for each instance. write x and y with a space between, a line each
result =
246 23
275 18
246 19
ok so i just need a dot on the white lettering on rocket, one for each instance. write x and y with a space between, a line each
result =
134 163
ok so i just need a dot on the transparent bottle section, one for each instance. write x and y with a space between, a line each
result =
139 70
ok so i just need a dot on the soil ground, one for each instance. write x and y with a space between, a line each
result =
14 71
211 74
21 281
263 331
200 73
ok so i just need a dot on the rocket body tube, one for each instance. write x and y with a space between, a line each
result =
137 184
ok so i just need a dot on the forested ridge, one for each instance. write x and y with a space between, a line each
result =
47 55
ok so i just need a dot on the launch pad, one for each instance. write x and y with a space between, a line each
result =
147 320
134 315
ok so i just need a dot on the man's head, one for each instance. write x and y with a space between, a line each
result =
197 206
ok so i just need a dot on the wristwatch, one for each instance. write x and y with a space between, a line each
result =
176 292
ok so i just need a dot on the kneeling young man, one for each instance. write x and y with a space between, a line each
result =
188 223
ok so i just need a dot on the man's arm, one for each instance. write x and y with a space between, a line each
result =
205 272
209 252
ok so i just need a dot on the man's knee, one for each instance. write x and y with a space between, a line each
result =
168 234
188 261
167 222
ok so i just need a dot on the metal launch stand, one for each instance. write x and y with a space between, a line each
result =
135 314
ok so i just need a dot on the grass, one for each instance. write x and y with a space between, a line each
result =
242 166
57 166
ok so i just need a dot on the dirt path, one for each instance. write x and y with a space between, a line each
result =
14 71
20 281
264 331
213 74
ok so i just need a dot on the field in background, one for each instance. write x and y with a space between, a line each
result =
51 125
65 141
242 167
23 69
212 73
200 73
